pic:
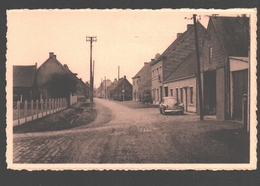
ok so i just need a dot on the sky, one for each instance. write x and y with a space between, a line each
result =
125 38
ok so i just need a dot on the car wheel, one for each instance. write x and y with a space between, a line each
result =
163 111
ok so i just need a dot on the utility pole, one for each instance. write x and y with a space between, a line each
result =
93 76
118 81
105 88
198 66
91 39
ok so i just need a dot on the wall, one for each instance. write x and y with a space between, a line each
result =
220 91
190 82
155 82
135 89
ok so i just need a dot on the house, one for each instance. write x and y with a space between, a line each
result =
182 83
164 65
224 66
24 83
56 80
103 93
120 90
142 84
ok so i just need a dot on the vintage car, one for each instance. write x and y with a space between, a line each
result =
171 105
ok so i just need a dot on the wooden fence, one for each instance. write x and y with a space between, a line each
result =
28 111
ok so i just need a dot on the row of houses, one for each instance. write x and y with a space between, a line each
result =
224 63
120 90
50 80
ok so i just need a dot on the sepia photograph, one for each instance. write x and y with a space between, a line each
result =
121 89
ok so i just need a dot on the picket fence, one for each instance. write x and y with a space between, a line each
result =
28 111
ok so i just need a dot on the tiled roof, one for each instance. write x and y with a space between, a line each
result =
233 33
186 68
143 70
171 46
24 76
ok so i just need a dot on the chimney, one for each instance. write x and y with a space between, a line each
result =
124 77
35 65
179 34
54 56
189 26
51 54
66 66
145 63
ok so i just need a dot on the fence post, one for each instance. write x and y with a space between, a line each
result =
18 111
52 102
32 108
42 107
25 110
37 102
58 103
46 106
244 112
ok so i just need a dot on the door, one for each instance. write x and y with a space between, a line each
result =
240 87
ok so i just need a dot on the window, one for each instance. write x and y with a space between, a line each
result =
157 71
133 82
181 94
160 70
191 94
166 91
153 73
157 94
171 92
137 82
177 93
210 54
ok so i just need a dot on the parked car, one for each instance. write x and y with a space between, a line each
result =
171 105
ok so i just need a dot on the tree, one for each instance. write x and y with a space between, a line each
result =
61 85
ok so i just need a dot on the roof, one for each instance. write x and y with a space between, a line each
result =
173 44
186 68
233 33
143 70
24 76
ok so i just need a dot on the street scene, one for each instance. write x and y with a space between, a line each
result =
141 87
121 134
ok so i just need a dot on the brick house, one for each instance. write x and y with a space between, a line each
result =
142 84
56 80
25 83
224 66
120 90
163 66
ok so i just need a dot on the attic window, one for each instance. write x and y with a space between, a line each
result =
210 54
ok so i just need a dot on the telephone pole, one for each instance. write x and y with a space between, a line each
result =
198 66
91 39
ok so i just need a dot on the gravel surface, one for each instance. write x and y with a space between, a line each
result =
124 135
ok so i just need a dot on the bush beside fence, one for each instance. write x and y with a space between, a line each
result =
28 111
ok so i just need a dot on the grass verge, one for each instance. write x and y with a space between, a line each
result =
79 114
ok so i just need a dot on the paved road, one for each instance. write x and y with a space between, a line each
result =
124 135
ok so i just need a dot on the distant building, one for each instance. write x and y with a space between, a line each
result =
25 83
120 90
102 90
142 84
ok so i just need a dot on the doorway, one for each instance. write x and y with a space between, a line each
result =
209 92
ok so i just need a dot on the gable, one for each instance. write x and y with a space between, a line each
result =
233 33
